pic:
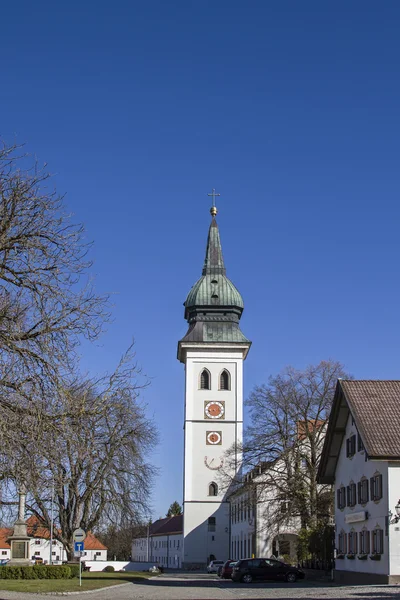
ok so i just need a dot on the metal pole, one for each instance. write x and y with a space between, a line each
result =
51 521
80 570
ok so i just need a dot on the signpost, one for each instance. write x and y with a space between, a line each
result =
79 536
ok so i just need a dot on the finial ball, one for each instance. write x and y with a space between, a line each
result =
213 211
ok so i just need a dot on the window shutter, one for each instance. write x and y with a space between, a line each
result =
379 487
348 495
380 533
372 488
347 447
338 498
359 492
366 533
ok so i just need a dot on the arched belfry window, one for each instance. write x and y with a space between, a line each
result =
225 380
205 380
213 489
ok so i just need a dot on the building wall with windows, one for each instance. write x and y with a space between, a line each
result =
254 513
164 550
163 544
361 508
41 547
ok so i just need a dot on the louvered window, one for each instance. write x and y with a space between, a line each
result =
364 542
224 380
376 487
205 380
377 541
213 489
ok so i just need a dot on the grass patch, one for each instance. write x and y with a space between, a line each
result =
90 581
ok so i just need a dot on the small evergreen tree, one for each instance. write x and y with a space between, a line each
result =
174 510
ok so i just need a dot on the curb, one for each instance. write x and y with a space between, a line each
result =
109 587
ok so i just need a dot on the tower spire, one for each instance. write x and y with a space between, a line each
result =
214 261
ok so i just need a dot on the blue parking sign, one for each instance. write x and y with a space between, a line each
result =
78 546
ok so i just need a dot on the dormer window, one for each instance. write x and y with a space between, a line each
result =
225 380
205 380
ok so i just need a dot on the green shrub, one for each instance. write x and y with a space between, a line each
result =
36 572
109 569
74 569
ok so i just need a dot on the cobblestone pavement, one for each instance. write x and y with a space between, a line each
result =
208 587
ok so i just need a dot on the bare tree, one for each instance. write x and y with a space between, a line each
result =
283 444
92 443
46 306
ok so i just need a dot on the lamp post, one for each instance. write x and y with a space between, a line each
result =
395 518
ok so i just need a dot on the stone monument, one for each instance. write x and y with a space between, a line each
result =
19 540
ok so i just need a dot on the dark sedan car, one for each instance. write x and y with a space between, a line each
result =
225 571
257 569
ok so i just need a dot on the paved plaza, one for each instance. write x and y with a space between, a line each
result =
208 587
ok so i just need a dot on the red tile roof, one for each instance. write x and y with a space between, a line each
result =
38 530
5 533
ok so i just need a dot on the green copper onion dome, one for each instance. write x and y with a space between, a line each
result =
214 306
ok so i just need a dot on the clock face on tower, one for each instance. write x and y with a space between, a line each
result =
213 438
214 463
214 410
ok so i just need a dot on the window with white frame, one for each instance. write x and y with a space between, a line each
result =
353 542
363 491
341 497
377 541
342 546
4 552
205 380
364 541
351 446
376 487
37 542
225 380
351 494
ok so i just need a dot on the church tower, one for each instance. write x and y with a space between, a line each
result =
213 351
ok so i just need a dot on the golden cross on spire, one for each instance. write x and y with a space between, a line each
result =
213 209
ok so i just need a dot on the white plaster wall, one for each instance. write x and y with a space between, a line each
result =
43 548
119 565
5 553
199 543
95 555
394 529
353 469
243 528
165 550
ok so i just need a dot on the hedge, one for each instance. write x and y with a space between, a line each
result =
39 572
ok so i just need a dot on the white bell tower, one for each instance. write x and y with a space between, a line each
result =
213 351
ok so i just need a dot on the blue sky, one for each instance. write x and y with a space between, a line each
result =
289 109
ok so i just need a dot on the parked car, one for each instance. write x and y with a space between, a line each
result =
214 565
225 571
256 569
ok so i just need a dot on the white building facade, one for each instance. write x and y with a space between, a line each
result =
261 525
162 545
361 458
42 549
213 351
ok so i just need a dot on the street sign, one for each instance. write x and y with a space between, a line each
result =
79 535
78 546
